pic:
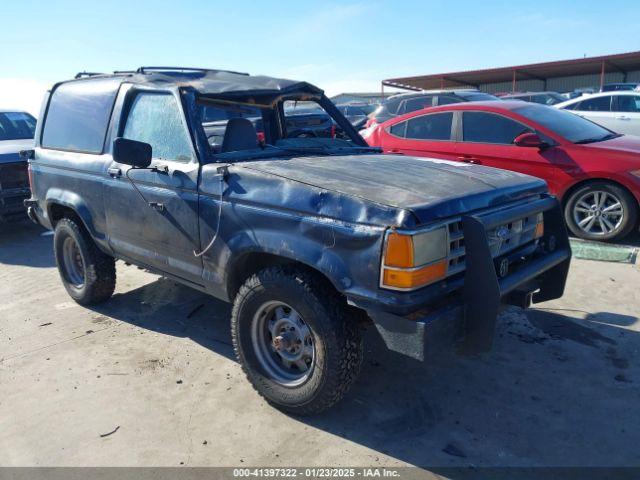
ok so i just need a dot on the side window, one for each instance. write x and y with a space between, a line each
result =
398 129
78 115
628 103
598 104
156 119
430 127
447 99
415 104
393 105
482 127
542 99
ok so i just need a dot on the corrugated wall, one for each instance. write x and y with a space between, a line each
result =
561 84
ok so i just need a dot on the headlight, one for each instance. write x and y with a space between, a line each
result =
410 261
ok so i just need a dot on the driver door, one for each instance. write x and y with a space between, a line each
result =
152 214
486 138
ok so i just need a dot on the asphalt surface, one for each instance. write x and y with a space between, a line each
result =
149 378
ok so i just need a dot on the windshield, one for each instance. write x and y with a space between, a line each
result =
568 125
16 126
292 127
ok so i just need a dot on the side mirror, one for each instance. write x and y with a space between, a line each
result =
529 139
131 152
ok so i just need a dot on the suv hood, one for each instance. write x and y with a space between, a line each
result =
430 188
10 149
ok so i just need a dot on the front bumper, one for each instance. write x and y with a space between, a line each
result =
539 277
32 211
11 204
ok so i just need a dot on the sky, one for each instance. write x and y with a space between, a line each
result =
340 46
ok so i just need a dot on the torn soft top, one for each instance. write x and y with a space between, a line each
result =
215 84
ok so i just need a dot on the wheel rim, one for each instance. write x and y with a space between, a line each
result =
73 263
598 213
284 344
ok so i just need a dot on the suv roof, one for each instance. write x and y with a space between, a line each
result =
459 91
208 82
526 94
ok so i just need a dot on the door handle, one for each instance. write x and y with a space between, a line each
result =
623 117
157 206
468 159
115 172
161 169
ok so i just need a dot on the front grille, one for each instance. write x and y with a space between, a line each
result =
13 175
456 248
502 239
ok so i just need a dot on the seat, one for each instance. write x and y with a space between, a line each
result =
239 135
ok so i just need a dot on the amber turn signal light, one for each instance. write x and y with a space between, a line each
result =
539 230
399 251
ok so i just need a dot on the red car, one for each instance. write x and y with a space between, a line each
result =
594 171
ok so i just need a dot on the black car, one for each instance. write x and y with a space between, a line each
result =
357 113
311 239
16 134
544 98
413 101
304 121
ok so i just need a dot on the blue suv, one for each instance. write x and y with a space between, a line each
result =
311 238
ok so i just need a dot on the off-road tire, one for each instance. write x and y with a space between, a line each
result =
337 338
629 204
99 268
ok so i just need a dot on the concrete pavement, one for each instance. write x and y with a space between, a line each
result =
155 366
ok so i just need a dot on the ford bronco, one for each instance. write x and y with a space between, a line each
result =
310 238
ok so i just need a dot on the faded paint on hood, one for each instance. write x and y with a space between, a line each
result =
430 188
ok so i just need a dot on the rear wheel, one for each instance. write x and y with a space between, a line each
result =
88 274
294 341
601 211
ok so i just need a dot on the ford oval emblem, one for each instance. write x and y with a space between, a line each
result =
502 232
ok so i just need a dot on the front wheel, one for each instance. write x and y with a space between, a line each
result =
294 341
601 211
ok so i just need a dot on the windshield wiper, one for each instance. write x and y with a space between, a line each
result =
609 136
331 150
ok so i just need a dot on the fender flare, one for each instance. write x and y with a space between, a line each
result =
308 251
71 200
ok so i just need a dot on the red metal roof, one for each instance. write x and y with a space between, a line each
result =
623 62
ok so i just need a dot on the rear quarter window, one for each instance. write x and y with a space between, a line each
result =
78 115
398 129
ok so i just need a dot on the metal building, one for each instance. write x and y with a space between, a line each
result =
560 76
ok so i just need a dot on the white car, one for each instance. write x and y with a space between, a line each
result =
618 110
